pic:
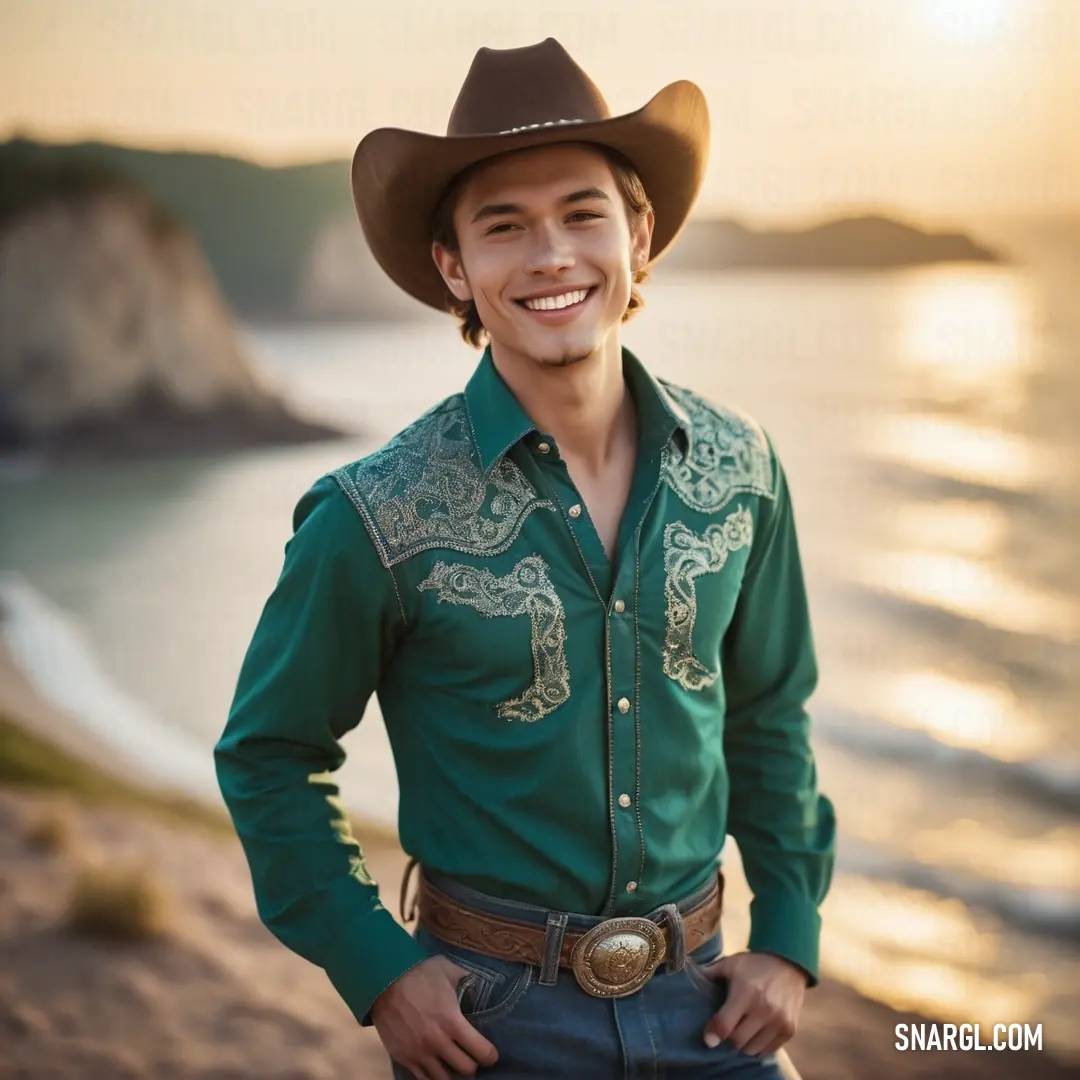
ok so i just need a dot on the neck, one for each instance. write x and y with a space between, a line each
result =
585 406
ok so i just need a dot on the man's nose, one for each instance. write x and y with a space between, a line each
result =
551 249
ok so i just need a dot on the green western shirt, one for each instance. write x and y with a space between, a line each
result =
569 730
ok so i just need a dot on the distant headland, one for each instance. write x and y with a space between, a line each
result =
871 241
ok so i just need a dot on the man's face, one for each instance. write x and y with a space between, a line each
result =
539 228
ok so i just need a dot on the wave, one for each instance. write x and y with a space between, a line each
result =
1044 654
51 650
930 483
1053 781
1045 912
1051 626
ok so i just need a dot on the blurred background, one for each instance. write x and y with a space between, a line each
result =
883 268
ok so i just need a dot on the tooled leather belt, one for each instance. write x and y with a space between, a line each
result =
613 959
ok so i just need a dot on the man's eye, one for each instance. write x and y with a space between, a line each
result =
578 215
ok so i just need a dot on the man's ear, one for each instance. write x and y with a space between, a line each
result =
453 271
641 241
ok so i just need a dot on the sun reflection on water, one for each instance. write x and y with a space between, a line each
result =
968 589
917 951
969 331
956 713
960 526
1047 862
963 451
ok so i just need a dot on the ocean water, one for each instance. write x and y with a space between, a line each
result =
929 422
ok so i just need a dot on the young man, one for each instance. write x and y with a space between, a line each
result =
577 592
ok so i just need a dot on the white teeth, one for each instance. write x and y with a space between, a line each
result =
553 303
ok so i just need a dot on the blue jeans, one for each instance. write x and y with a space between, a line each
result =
561 1032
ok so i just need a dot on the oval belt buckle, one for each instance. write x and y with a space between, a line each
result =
618 956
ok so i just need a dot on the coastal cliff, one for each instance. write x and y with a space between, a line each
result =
115 337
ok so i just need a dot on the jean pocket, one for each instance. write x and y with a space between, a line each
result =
492 987
706 953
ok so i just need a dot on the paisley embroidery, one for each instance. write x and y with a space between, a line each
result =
426 488
526 590
728 454
688 555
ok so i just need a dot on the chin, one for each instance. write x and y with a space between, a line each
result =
561 353
571 346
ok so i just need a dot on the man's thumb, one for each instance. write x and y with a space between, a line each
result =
455 973
721 968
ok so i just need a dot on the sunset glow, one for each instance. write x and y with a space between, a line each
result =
967 21
943 107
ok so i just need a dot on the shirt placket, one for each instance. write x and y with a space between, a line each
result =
616 588
624 674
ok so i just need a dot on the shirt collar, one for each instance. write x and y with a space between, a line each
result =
659 414
498 421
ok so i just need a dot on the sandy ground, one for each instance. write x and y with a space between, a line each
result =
218 997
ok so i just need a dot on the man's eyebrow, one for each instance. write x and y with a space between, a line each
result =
585 193
498 209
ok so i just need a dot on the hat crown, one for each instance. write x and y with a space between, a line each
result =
509 90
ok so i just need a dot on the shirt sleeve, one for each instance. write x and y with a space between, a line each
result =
785 829
323 637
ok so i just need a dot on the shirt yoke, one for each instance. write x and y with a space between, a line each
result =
729 453
426 488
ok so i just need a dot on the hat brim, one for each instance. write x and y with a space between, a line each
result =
398 177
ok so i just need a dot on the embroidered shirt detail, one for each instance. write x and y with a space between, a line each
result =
688 555
426 489
728 454
526 590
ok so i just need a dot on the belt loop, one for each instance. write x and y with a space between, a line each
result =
553 943
410 866
676 959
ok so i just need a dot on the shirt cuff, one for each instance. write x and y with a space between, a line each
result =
380 952
788 926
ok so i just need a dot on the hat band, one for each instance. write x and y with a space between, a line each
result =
546 123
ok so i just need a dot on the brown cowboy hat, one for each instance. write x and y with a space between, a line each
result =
512 99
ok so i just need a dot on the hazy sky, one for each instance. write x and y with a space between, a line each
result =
934 106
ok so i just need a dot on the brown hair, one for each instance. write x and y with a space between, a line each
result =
637 206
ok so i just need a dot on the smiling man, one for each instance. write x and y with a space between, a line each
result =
576 590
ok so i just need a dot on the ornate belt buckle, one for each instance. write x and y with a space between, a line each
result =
618 956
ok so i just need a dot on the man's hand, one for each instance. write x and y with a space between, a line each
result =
422 1026
765 996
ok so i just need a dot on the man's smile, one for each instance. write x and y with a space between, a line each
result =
556 306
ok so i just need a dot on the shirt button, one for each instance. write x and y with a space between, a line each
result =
624 799
624 705
620 606
543 447
575 510
631 886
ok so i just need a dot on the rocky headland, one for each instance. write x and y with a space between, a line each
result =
115 336
863 242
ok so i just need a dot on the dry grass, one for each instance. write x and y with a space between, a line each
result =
52 831
29 761
117 902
